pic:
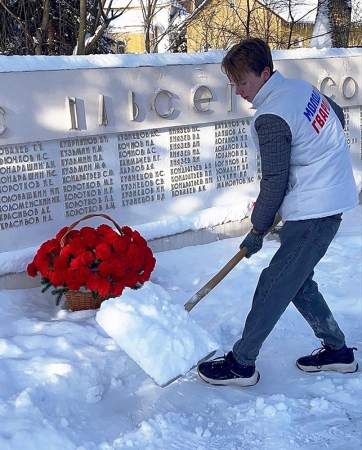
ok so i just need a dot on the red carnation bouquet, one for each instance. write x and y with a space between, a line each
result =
99 260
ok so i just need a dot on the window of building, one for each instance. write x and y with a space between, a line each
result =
297 42
121 47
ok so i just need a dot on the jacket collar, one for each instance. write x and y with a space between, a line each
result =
274 81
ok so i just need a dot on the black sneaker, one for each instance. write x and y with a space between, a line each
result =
326 358
226 370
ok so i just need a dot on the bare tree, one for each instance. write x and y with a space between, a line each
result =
268 22
297 13
103 16
149 9
219 24
333 24
211 24
55 27
340 17
153 33
175 15
355 35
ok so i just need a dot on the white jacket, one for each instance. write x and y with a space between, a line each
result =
321 181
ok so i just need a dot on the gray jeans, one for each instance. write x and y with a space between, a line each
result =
289 278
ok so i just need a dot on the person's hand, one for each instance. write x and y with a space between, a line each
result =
253 242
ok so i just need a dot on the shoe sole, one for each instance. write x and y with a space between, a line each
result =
239 382
342 368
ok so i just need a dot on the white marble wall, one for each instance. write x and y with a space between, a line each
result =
138 143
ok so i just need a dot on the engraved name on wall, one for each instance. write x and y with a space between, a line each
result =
124 173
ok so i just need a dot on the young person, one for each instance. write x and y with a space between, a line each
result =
306 176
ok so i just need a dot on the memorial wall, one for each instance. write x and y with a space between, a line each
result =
150 138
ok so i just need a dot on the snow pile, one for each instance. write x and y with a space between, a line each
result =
159 336
66 385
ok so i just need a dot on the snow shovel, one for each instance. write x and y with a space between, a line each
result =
200 294
160 336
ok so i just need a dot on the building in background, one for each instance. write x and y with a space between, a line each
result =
146 26
219 25
158 26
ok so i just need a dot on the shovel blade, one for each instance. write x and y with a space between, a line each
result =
210 355
161 337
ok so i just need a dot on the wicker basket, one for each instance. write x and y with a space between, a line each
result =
79 301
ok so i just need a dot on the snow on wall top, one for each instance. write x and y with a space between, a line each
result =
46 63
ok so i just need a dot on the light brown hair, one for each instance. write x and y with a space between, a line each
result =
250 55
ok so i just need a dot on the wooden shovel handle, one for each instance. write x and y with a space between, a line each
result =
194 300
215 280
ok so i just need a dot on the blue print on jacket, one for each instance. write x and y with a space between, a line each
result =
317 113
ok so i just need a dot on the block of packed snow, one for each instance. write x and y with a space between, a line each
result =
161 337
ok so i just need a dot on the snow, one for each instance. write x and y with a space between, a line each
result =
66 384
321 37
304 11
145 323
45 63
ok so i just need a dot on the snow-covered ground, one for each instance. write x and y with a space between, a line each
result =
66 385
